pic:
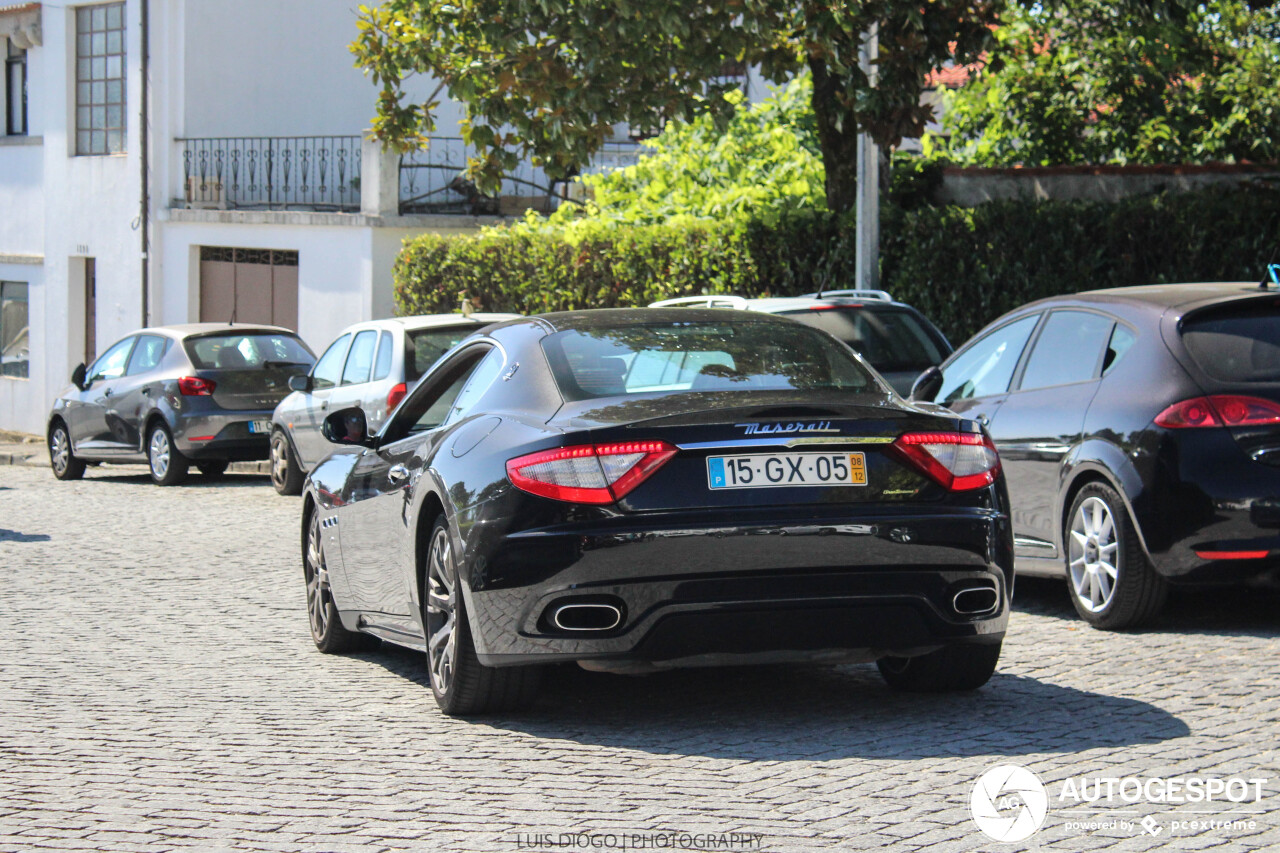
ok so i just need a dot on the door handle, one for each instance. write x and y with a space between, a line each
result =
398 474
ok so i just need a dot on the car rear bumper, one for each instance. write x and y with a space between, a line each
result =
224 435
835 589
1213 511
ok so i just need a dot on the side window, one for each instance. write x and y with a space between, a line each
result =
987 365
112 362
485 374
1121 340
431 402
382 364
360 360
1067 350
146 355
328 370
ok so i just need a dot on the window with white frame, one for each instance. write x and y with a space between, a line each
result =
100 79
15 89
15 336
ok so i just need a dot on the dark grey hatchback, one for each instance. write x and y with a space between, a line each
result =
174 396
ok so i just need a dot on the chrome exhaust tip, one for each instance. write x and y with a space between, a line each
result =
586 617
975 600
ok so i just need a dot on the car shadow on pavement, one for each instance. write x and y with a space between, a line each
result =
15 536
195 481
780 713
1222 610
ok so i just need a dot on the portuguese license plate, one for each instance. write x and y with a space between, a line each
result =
770 470
259 426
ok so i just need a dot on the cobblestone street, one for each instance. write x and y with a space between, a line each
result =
159 690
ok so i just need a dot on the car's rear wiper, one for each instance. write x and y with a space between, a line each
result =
269 363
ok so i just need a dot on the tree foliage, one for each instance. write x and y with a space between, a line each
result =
763 165
549 79
1089 82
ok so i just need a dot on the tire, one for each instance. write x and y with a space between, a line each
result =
463 687
327 631
213 470
66 465
1123 592
286 473
165 461
949 669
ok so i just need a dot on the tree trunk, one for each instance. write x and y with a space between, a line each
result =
838 136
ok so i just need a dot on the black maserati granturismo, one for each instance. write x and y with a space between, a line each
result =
652 488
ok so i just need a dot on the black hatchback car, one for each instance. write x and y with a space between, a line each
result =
1139 429
652 488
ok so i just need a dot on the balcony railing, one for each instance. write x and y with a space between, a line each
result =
432 181
318 173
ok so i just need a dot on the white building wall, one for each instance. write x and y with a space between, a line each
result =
279 68
91 204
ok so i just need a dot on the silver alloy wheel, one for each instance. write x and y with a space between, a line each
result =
1092 549
442 608
318 592
159 453
279 459
60 450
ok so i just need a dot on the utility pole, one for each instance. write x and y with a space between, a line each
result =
867 258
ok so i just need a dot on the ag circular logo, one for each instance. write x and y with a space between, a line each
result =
1009 803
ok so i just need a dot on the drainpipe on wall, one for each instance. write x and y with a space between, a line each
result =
144 217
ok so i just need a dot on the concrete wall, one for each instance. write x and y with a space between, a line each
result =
972 187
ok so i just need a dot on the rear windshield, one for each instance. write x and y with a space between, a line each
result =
891 339
261 349
1238 345
424 347
700 356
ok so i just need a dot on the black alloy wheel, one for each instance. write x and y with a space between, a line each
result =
1112 583
327 630
66 466
463 687
947 670
286 474
167 463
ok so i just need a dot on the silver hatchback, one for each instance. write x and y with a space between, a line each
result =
371 365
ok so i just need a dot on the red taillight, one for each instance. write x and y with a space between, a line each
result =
394 396
1220 410
1232 555
957 461
194 386
589 473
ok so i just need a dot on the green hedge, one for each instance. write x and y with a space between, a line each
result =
962 267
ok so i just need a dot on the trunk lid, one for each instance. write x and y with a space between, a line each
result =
740 450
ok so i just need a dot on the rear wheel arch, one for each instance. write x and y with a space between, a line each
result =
149 424
429 512
1081 478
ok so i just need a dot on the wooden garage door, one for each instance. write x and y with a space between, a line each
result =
251 285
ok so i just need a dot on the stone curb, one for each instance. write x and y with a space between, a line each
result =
38 460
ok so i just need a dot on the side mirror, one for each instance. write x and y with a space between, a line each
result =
77 376
300 383
348 426
927 385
